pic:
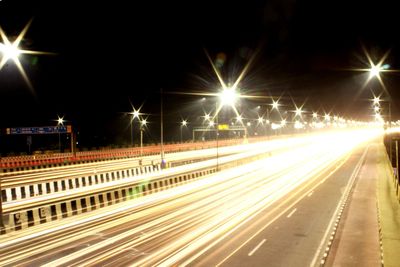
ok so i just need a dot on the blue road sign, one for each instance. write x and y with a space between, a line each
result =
39 130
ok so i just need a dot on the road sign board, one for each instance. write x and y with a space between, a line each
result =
222 127
40 130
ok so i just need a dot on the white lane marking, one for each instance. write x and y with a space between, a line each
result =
275 218
348 187
291 213
309 195
257 247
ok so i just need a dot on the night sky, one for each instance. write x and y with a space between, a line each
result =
110 55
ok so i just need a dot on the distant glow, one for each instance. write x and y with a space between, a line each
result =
184 122
143 122
249 124
211 123
298 125
275 104
275 126
376 100
283 122
207 117
60 121
318 125
298 112
267 121
376 109
260 120
239 118
327 117
315 115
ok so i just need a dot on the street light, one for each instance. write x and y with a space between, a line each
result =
275 104
60 121
298 112
374 72
12 51
376 100
227 97
135 114
183 123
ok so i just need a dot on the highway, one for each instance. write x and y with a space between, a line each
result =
275 211
242 152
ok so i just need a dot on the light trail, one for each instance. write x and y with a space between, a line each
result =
180 224
101 167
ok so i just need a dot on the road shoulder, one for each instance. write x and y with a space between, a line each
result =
389 211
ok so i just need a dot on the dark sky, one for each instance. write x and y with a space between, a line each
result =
110 54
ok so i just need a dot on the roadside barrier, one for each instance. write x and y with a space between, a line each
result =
64 184
68 206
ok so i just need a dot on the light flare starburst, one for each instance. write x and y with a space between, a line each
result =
12 51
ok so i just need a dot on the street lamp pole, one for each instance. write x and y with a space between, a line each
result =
59 142
390 112
60 121
267 122
217 132
183 123
142 125
162 131
135 114
131 133
141 143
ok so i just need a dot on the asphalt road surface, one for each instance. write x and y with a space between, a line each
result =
273 212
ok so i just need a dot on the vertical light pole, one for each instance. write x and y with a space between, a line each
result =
260 120
135 114
142 125
275 105
162 130
183 124
217 133
60 121
374 72
12 52
228 96
267 122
